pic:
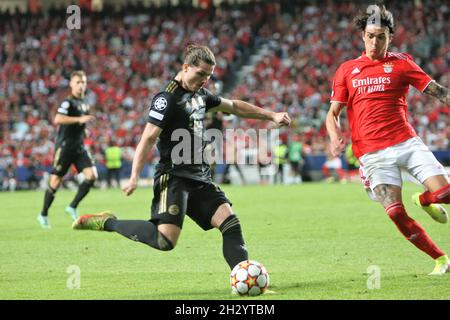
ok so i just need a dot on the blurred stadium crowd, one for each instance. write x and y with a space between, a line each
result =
129 55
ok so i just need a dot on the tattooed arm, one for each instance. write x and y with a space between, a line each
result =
438 91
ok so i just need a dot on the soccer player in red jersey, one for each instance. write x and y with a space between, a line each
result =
373 88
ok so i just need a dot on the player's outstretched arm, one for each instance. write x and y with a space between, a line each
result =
337 143
247 110
438 91
148 139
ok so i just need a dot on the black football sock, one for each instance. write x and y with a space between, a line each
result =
83 190
140 230
234 249
48 199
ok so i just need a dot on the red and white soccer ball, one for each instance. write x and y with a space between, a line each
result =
249 278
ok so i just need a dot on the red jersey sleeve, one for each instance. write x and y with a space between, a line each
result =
415 76
339 91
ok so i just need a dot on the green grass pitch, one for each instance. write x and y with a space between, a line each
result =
318 241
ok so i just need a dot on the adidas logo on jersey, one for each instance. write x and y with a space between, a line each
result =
356 70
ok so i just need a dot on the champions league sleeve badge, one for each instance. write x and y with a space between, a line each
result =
160 104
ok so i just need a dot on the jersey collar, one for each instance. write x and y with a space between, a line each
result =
71 96
366 58
181 87
184 89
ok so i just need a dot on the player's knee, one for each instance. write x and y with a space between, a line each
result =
90 178
91 174
89 182
222 213
372 196
164 244
167 236
54 183
53 187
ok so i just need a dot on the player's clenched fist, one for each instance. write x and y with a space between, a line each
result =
130 187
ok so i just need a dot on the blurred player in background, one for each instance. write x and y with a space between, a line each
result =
333 163
352 161
184 188
113 162
373 87
72 118
296 158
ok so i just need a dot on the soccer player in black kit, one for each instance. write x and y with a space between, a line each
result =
72 118
183 188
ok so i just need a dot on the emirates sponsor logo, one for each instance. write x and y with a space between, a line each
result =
356 83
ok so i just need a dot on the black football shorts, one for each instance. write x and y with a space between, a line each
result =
174 197
64 157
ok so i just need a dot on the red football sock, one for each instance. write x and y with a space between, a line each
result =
440 196
340 173
412 231
326 171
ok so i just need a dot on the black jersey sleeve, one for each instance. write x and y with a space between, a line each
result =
160 109
211 100
64 108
